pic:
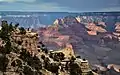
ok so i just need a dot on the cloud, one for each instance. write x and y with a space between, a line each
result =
7 0
42 7
60 5
17 0
85 5
110 9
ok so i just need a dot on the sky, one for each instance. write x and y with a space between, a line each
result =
60 5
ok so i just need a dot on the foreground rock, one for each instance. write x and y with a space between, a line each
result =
22 54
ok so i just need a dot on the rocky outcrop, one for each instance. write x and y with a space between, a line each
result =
78 19
28 41
20 61
92 32
58 22
68 51
102 24
117 28
114 66
94 29
68 20
117 31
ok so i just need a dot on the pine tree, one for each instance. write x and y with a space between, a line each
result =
5 35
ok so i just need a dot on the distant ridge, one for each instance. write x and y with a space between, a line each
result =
47 18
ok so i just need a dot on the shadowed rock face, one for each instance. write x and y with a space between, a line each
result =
92 47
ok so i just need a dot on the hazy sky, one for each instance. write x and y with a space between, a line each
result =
60 5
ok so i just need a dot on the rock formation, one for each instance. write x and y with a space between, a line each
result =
91 47
24 54
78 19
93 29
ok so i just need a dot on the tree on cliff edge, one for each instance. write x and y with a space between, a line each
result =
5 35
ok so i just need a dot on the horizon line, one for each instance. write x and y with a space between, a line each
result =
62 11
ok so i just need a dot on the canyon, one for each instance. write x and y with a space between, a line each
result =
91 40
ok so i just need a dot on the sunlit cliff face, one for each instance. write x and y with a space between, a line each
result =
117 28
94 27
